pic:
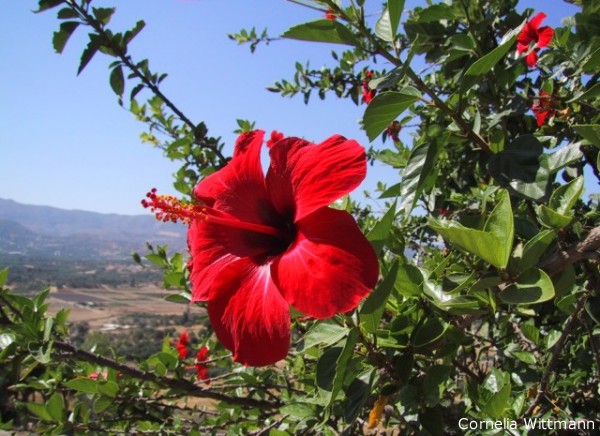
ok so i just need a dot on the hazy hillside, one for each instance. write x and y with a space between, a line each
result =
43 231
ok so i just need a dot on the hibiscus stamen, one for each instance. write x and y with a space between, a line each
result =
168 208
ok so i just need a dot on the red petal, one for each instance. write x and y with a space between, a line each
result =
330 267
239 187
522 47
213 247
545 35
249 315
532 58
535 22
304 177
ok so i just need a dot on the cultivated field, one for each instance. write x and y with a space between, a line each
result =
101 307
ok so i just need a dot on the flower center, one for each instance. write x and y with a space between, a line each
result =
168 208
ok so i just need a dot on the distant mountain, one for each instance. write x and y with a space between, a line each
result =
43 231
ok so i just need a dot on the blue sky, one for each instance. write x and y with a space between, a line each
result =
65 142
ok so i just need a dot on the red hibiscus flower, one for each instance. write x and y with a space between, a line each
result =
182 344
533 33
367 93
544 108
260 244
201 368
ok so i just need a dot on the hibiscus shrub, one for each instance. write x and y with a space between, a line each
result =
474 294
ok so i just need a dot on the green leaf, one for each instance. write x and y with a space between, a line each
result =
563 157
381 230
590 132
494 243
593 92
498 402
181 298
66 13
374 306
299 410
83 384
486 63
103 14
321 31
565 197
522 167
552 219
89 52
419 167
47 4
385 107
40 411
525 357
324 333
55 407
408 280
60 38
341 365
108 388
130 34
533 286
117 80
428 332
434 383
535 248
387 25
434 13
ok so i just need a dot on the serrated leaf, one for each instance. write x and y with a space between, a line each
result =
374 306
533 286
47 4
89 52
321 31
60 38
103 14
384 109
485 64
130 34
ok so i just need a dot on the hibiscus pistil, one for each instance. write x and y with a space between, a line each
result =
168 208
